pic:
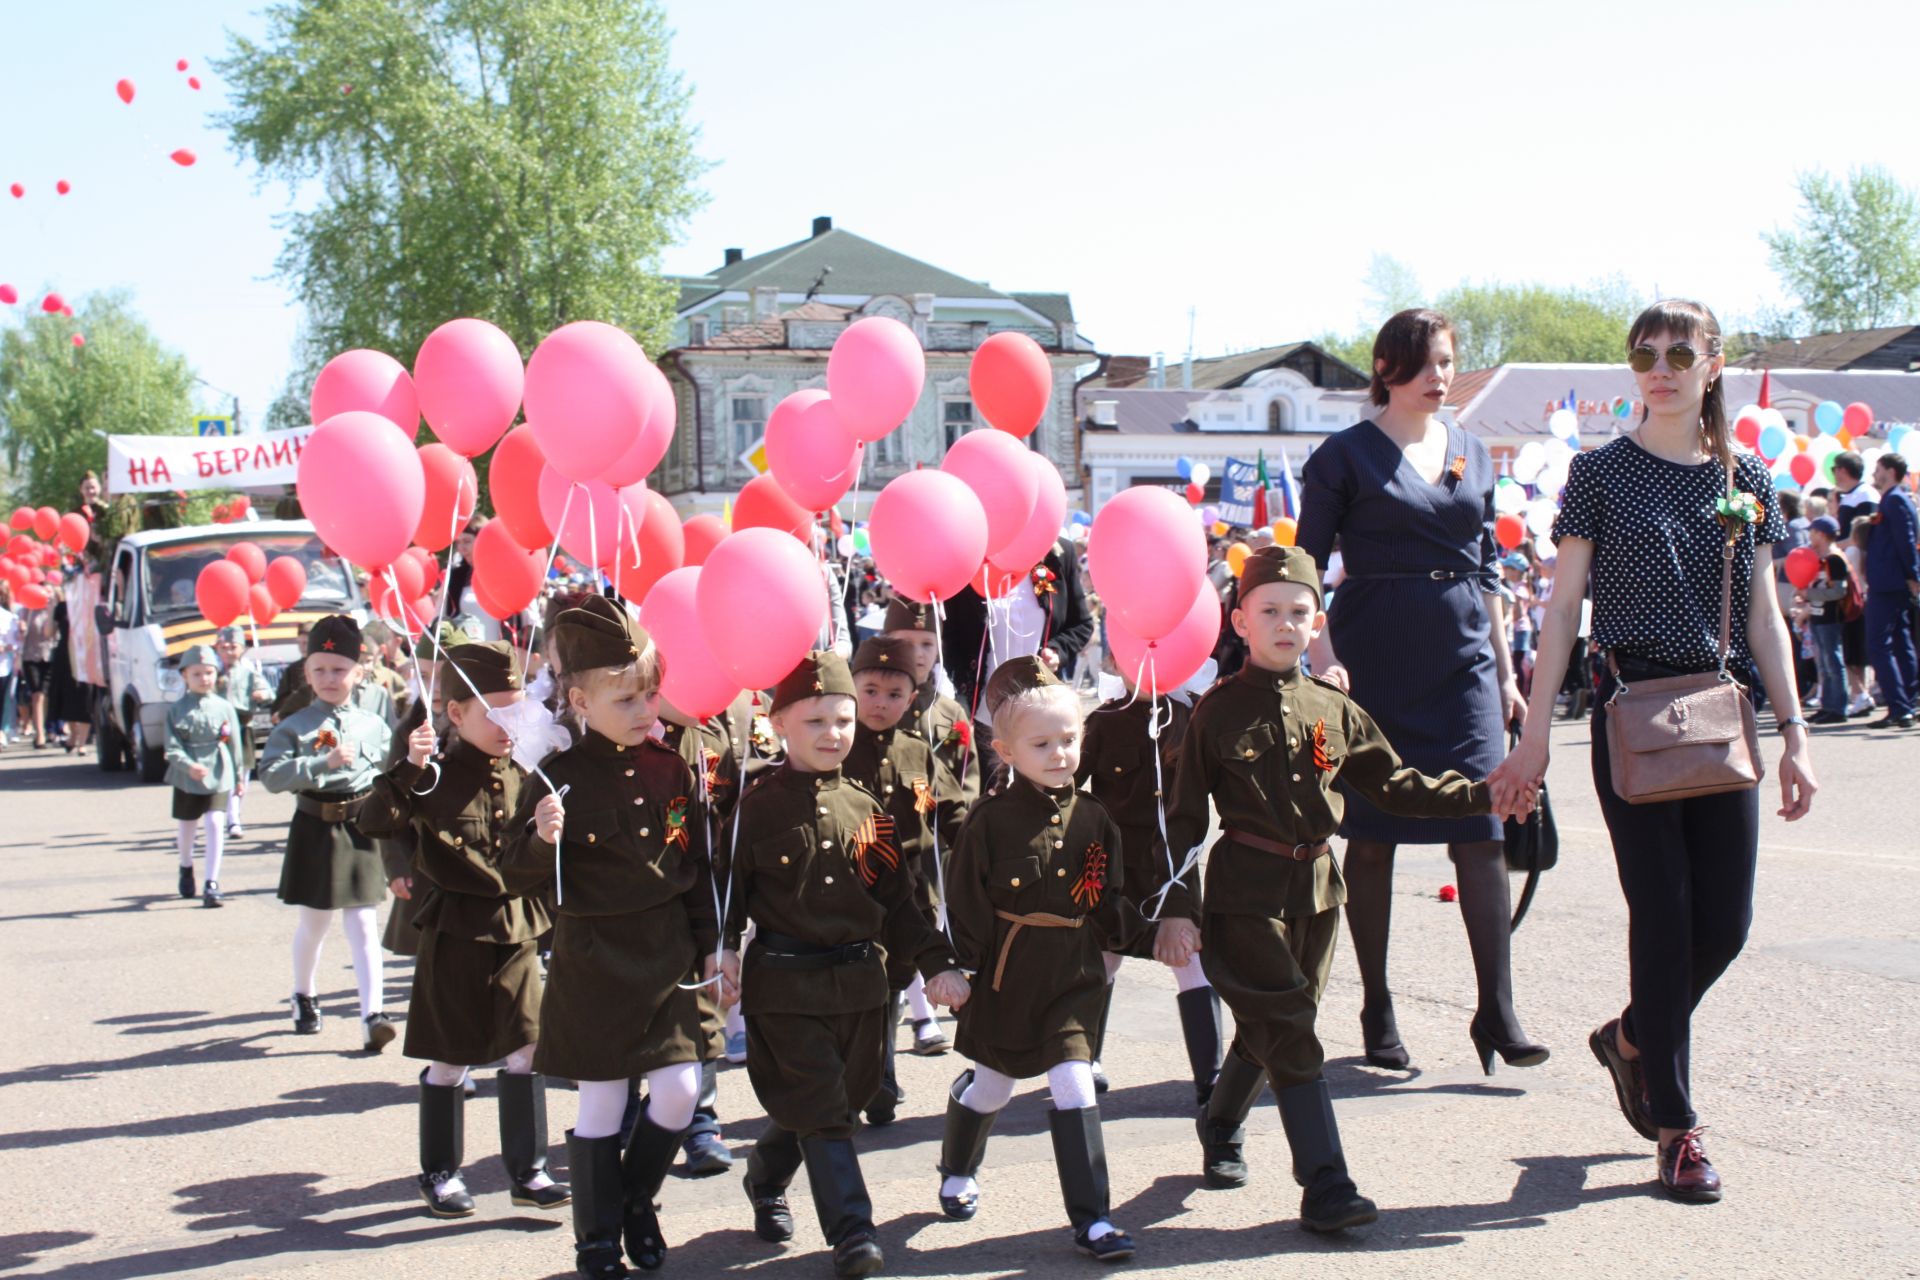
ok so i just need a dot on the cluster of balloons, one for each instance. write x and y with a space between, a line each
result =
247 585
1797 460
1148 560
1196 474
33 551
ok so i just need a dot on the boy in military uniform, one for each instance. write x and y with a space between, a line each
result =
1267 748
328 753
204 764
241 684
634 917
476 989
1035 894
922 798
815 868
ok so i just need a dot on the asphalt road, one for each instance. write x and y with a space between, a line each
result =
160 1118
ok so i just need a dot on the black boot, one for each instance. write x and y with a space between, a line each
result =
1200 1026
840 1198
1100 1041
705 1151
523 1139
771 1164
1223 1124
1330 1202
443 1134
885 1104
1080 1155
598 1196
650 1153
186 883
962 1148
306 1015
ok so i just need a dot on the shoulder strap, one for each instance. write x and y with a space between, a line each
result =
1726 581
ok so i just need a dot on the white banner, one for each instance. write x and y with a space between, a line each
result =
144 464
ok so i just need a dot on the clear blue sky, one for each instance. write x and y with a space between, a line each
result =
1243 158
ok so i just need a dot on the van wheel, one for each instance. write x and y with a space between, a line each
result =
106 738
152 760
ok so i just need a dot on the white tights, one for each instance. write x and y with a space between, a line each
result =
234 798
1071 1084
360 924
447 1074
672 1093
216 842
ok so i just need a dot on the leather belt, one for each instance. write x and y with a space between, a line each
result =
1033 920
780 951
1297 852
329 807
1434 575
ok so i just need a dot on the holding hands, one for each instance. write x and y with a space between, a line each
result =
950 989
1176 942
728 971
1516 782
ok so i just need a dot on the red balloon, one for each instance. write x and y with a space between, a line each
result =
1161 666
452 492
488 605
1012 382
250 557
507 573
1747 431
183 157
1802 566
663 548
74 532
694 681
63 186
22 519
761 600
66 310
1857 420
8 294
1802 466
763 504
993 464
193 82
125 89
180 65
703 534
1194 494
221 591
406 571
429 567
261 604
46 524
53 303
514 482
1510 531
929 534
79 341
18 189
20 545
809 453
241 505
33 597
287 580
993 582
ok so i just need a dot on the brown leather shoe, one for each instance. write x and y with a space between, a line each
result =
1629 1082
1685 1171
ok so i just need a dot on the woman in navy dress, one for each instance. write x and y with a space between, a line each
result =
1416 635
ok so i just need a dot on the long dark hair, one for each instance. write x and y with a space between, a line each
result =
1682 318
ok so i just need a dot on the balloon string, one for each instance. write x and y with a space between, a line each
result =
593 538
939 864
721 905
446 582
553 552
1149 671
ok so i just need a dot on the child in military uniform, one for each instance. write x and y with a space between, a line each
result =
1034 896
241 684
204 764
816 870
328 753
1267 747
1117 764
476 989
634 915
923 800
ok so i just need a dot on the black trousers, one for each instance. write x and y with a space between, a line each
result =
1687 870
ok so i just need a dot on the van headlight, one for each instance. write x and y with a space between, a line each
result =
172 684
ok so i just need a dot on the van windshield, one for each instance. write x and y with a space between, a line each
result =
172 569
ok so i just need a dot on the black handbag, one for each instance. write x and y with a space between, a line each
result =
1532 846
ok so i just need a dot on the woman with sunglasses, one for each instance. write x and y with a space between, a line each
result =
1650 516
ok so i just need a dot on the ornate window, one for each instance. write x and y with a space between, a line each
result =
956 418
1279 415
747 419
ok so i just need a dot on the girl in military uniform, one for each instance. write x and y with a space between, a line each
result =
476 989
634 915
1034 896
816 869
241 684
328 753
204 764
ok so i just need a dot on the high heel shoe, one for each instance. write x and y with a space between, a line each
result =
1519 1054
1381 1035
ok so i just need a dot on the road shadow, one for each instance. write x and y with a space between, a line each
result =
47 776
320 1100
26 1248
1352 1078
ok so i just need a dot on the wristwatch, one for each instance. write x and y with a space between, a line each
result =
1799 720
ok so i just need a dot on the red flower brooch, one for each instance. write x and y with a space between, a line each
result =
325 741
1042 582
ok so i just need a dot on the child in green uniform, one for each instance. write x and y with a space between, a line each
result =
328 753
241 684
1266 748
1034 897
815 868
204 764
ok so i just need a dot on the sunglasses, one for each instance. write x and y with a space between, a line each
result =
1680 358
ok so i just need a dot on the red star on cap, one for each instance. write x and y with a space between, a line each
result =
326 644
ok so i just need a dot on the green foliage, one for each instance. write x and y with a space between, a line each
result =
1535 323
1853 259
58 402
1356 349
523 161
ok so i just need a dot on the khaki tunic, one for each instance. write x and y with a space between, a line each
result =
945 725
633 917
1116 764
237 685
815 860
329 865
923 799
715 749
1267 749
1050 856
476 990
402 935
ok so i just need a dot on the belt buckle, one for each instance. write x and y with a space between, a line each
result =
1297 856
1441 575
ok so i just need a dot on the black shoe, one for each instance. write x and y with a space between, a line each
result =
210 895
1200 1028
1828 717
1222 1125
380 1032
186 884
705 1154
598 1195
523 1139
1521 1053
1080 1157
442 1203
443 1140
306 1015
929 1041
1100 1082
772 1215
1629 1083
1892 722
859 1255
1115 1246
1330 1202
962 1148
650 1153
840 1199
771 1164
1381 1036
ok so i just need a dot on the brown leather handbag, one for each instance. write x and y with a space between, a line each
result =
1682 736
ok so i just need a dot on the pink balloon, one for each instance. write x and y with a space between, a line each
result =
762 602
1042 530
470 380
1174 658
372 381
875 374
663 546
994 465
929 534
361 484
694 682
429 567
513 482
287 580
453 490
510 573
591 528
809 451
703 534
651 445
1146 553
251 558
587 397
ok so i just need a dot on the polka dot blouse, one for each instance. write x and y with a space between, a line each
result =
1657 551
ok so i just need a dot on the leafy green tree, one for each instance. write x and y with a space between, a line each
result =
1853 257
523 161
59 402
1505 323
